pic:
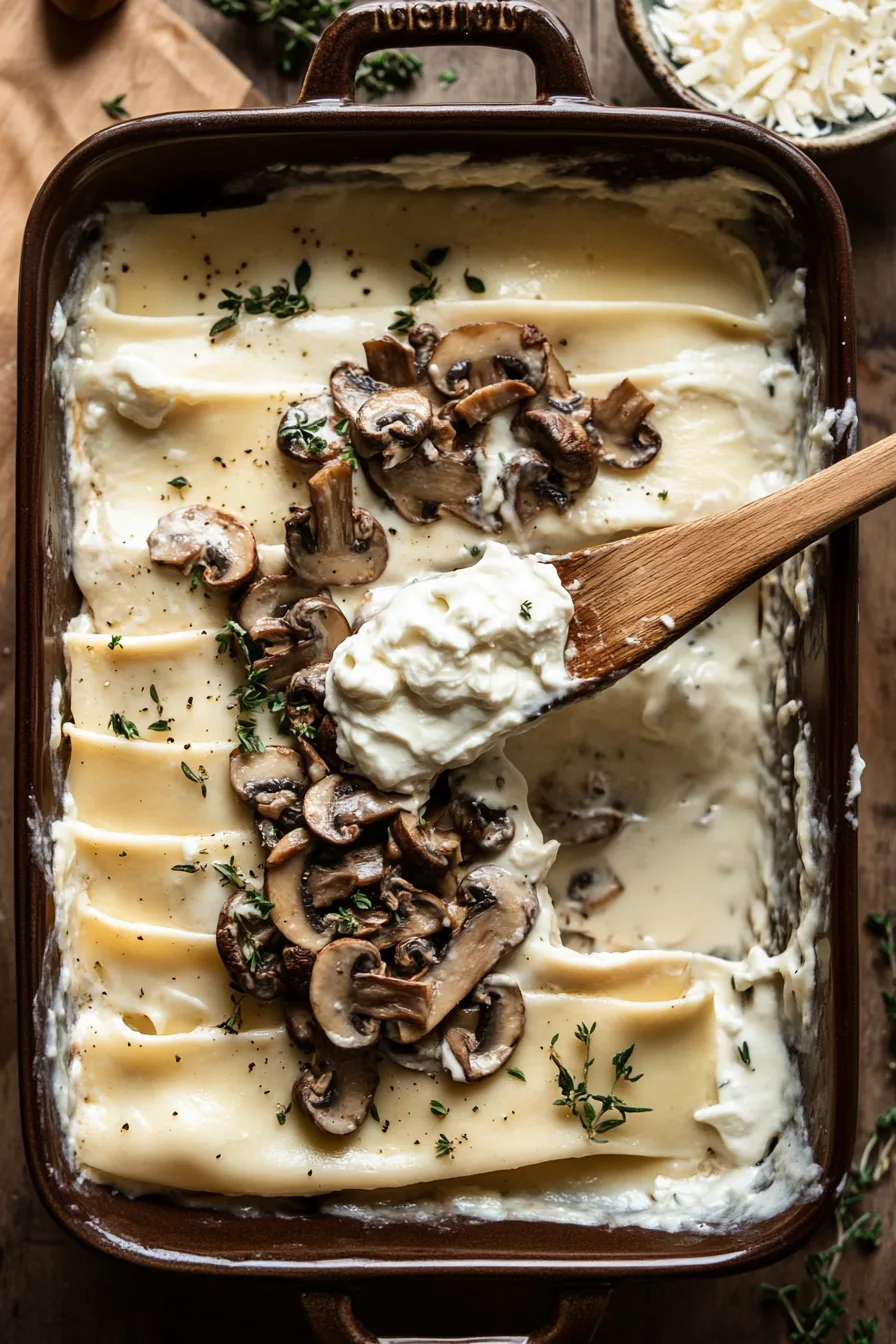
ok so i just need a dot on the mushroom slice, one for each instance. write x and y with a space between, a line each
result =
297 963
199 535
624 438
594 886
283 886
333 542
390 362
557 392
565 443
393 423
529 486
299 1022
318 628
350 387
303 701
326 742
355 868
427 481
427 852
423 339
503 910
349 994
423 1056
268 600
486 830
248 944
487 401
481 353
414 954
502 1020
307 431
418 915
279 663
337 1089
338 807
591 818
272 781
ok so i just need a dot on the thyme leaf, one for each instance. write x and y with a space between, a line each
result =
280 301
578 1098
387 72
115 108
122 727
444 1146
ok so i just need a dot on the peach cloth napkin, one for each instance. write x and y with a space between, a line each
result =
54 72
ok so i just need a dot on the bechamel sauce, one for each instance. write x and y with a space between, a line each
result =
153 1092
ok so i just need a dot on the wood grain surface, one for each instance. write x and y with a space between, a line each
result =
54 1290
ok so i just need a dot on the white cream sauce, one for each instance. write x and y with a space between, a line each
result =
154 1094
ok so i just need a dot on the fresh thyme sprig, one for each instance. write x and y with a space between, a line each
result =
115 108
115 642
387 72
252 696
814 1322
161 725
280 301
444 1146
200 777
429 286
234 1022
297 24
231 876
579 1099
121 726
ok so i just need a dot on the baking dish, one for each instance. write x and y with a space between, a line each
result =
189 161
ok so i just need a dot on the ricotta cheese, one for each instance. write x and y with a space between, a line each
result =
450 666
799 66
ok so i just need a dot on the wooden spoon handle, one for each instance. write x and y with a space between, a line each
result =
635 596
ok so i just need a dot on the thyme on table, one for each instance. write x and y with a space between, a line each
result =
387 72
115 108
579 1099
296 24
813 1322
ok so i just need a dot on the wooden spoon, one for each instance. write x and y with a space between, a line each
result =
634 597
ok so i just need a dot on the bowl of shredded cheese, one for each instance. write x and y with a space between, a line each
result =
820 72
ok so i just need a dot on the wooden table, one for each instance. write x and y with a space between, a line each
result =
54 1290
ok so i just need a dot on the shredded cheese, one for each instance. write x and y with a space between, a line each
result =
799 66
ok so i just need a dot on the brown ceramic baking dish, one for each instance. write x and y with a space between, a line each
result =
192 160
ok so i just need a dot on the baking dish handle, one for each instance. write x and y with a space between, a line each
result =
512 24
575 1321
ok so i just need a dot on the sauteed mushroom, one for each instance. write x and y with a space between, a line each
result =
390 362
393 423
337 1088
200 536
340 805
427 481
481 353
502 1019
529 486
272 781
333 542
248 944
557 392
487 401
307 431
350 386
355 868
421 915
423 339
349 994
426 851
503 909
565 443
283 887
268 600
624 437
486 830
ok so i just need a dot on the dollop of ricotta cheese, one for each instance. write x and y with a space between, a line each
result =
448 667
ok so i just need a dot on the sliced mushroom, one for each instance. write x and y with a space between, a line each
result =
337 1089
350 995
529 485
272 781
333 542
503 910
423 1056
299 1022
471 1055
312 760
355 869
283 886
426 852
586 816
557 391
428 481
594 886
327 743
414 954
338 807
393 423
303 701
624 438
487 401
481 353
307 431
486 830
198 535
350 386
565 444
417 914
268 600
297 964
423 339
248 944
390 362
318 627
279 663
